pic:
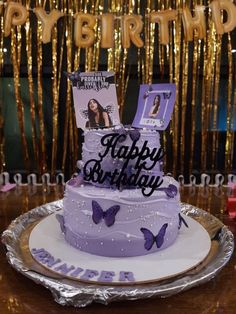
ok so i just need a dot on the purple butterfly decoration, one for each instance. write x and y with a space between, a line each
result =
171 191
134 134
108 215
150 239
147 92
61 221
182 220
77 181
74 77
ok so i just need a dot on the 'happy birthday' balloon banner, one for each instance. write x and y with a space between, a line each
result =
131 25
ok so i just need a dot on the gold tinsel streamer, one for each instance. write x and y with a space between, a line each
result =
31 91
207 85
55 98
184 103
2 138
42 146
147 25
122 78
176 80
76 58
68 126
193 102
215 101
229 143
15 44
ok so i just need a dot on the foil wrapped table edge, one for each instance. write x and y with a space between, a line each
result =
80 294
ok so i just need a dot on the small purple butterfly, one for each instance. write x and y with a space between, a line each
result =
77 181
182 220
108 215
171 191
150 239
74 77
134 134
61 221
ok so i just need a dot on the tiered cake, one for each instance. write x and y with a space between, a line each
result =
120 204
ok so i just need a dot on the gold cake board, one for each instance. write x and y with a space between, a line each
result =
40 268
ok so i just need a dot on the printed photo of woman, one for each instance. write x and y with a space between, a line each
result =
155 107
98 117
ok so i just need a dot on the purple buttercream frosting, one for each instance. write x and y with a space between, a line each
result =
123 238
135 216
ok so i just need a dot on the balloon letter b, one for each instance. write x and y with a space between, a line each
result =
194 23
15 14
132 26
84 33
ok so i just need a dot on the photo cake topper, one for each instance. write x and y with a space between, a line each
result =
155 106
95 99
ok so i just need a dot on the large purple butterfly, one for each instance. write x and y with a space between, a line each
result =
150 239
108 215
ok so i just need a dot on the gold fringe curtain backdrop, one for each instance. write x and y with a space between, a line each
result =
199 70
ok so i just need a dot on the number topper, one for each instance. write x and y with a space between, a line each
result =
155 106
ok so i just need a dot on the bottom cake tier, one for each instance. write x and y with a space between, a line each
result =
112 223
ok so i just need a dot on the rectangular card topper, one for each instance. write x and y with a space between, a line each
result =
155 106
95 100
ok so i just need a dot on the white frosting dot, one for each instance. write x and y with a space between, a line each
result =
101 243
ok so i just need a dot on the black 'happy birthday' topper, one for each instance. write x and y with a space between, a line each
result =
137 175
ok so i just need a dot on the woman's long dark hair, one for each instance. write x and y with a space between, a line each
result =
156 105
91 116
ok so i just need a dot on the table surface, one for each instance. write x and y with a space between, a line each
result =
19 294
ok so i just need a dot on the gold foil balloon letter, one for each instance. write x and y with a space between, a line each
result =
216 7
196 23
48 20
132 26
107 38
163 18
15 14
84 32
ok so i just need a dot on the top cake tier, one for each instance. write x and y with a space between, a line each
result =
121 150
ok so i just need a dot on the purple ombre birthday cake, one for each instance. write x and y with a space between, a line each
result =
120 204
